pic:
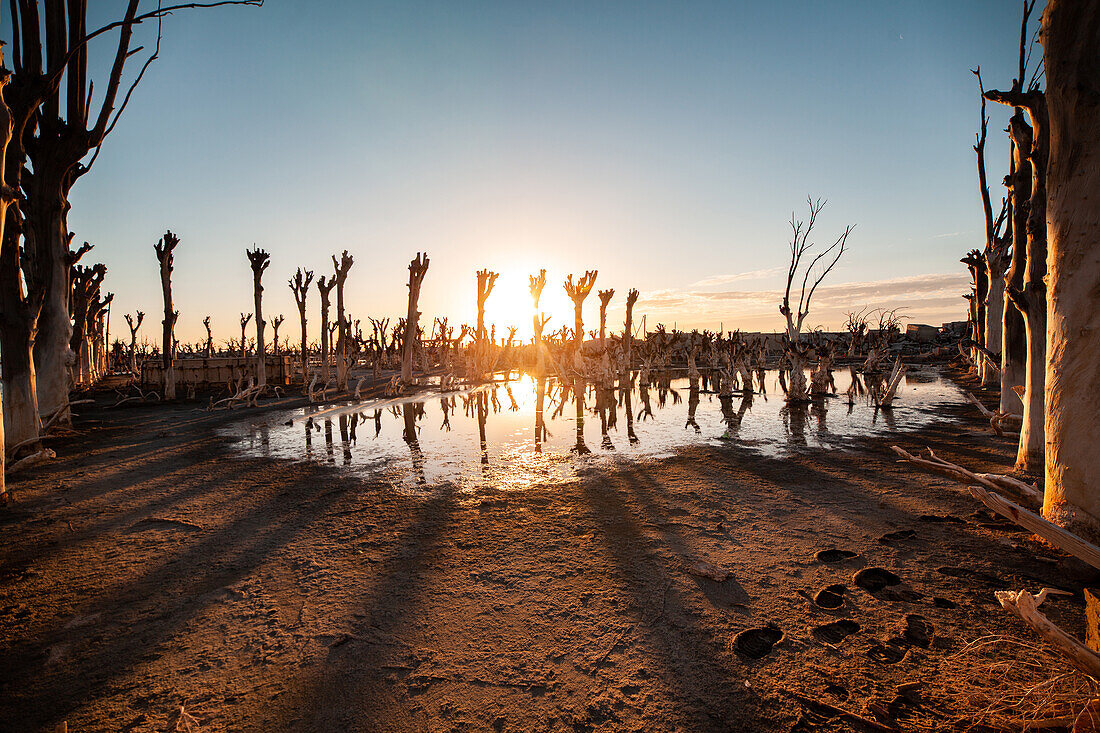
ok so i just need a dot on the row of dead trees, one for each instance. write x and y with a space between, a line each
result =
1035 301
51 134
1034 297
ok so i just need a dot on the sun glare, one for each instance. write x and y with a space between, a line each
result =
510 302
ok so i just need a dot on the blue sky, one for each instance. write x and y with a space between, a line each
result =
665 144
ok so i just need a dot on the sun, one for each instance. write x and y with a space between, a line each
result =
510 303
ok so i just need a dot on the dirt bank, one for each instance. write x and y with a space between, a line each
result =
149 567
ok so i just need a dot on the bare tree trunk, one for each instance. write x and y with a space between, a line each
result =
134 326
20 409
485 282
1071 44
605 297
1026 288
628 329
300 287
7 197
417 269
325 289
49 239
259 260
164 249
343 326
209 337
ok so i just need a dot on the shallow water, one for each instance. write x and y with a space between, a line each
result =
488 435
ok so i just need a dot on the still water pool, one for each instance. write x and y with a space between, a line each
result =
496 435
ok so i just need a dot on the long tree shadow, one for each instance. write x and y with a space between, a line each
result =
700 674
349 691
147 609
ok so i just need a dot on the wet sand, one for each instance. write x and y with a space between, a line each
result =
150 566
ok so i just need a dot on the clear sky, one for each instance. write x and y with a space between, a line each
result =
664 144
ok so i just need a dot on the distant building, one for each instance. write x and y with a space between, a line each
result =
922 333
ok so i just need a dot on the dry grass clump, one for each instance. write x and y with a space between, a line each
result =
1005 683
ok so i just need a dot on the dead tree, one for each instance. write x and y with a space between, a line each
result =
209 338
1071 57
800 245
342 267
996 257
1026 288
417 269
275 323
975 263
258 259
86 283
134 326
7 197
605 298
57 132
91 350
628 328
577 292
20 302
325 288
300 287
246 318
164 249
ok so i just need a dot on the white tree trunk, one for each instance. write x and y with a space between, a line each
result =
1013 368
52 355
994 316
1071 42
21 419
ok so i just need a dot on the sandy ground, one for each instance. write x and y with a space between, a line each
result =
148 567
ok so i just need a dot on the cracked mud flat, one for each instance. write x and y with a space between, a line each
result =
150 567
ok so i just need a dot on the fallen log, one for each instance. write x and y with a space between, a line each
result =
993 481
32 460
1031 521
1025 606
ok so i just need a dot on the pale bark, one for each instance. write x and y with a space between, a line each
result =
1071 43
300 287
17 328
342 366
259 260
164 249
417 269
325 288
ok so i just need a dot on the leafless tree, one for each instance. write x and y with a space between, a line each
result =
54 131
258 260
300 287
164 249
1026 285
819 266
418 268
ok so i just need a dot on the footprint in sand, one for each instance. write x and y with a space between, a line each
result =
834 633
831 596
918 631
873 580
757 643
942 519
888 653
835 555
901 534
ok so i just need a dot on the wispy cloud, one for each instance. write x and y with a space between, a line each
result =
933 298
710 282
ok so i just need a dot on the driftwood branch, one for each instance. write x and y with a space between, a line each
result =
993 481
1031 521
1025 606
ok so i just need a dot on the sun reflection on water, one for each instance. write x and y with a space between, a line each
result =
497 436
